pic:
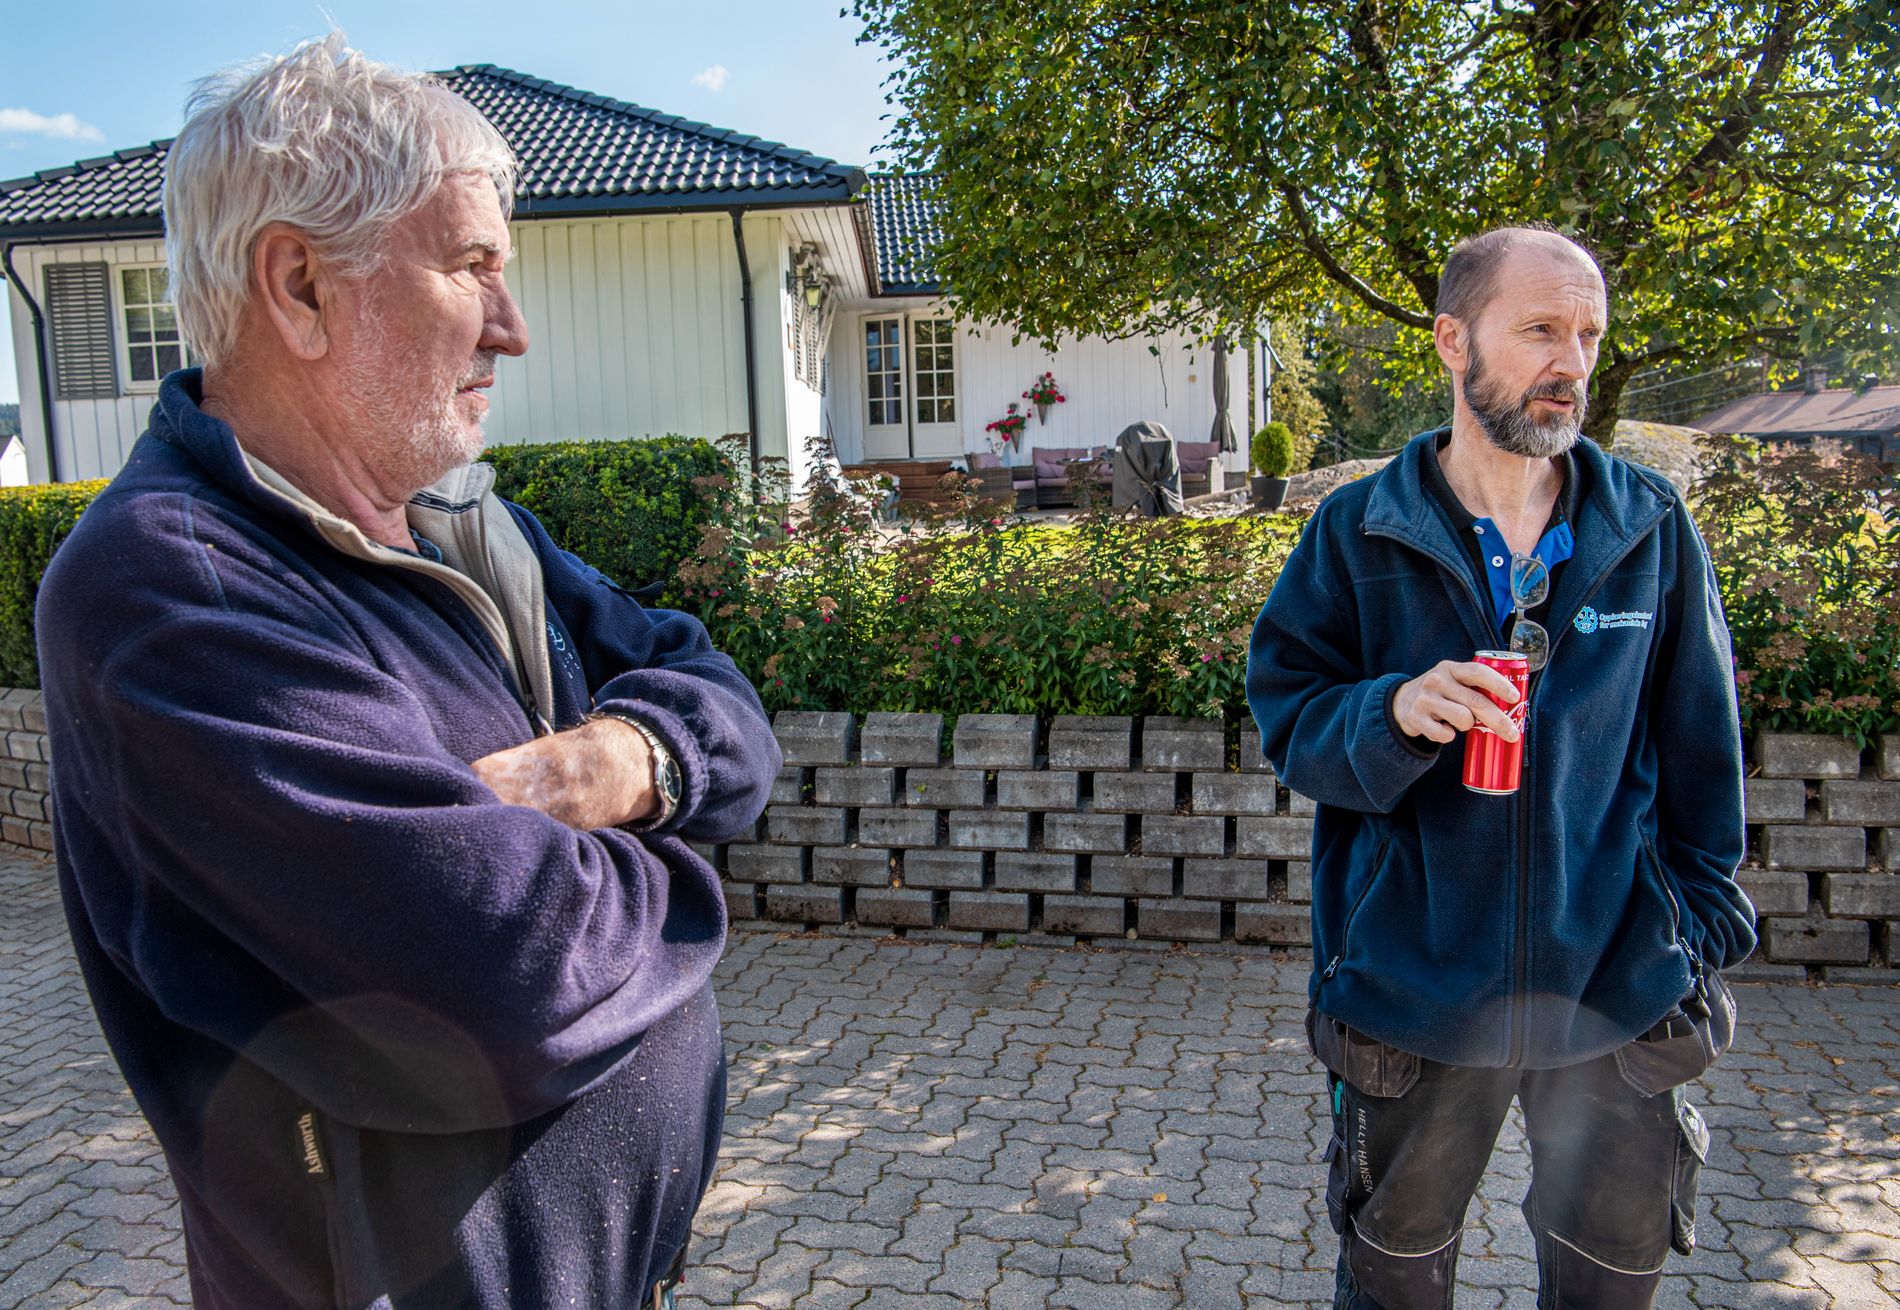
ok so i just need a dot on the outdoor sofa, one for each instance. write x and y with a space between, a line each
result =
994 481
1201 472
1054 464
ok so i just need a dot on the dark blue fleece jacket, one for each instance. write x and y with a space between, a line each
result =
1533 930
403 1044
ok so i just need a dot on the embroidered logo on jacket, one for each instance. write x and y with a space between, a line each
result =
1589 621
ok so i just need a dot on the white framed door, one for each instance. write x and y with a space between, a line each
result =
936 430
886 387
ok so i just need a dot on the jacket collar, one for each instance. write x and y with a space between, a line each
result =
179 418
1624 503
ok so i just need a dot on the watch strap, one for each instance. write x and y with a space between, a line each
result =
667 780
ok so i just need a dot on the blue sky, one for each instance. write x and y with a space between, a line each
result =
79 79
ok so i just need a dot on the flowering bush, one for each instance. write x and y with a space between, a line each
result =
1044 391
986 613
1806 547
1009 428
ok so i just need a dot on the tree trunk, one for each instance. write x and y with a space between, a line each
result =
1606 399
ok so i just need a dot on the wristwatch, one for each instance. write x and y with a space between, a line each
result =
668 783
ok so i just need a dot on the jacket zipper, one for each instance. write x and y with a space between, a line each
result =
1675 906
1520 964
1345 936
1520 971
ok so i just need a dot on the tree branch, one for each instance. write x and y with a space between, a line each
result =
1309 237
1740 123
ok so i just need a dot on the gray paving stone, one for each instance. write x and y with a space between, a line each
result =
1038 789
944 789
1178 744
1080 741
864 785
898 827
948 869
1774 800
922 1124
990 829
815 737
1132 875
1107 833
902 739
852 866
1025 871
1806 755
1235 793
995 741
1287 837
1183 834
1124 793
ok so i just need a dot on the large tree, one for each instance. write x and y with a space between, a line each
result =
1119 166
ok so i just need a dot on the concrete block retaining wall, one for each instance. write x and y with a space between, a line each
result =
1155 830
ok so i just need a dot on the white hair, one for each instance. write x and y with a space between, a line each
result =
323 139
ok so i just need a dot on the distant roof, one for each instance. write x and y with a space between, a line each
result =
580 154
1797 413
904 219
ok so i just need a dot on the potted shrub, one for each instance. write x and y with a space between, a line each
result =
1273 450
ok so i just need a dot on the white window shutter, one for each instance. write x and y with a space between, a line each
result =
79 319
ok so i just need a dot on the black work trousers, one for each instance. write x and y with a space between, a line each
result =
1613 1177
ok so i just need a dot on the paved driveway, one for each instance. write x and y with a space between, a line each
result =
922 1126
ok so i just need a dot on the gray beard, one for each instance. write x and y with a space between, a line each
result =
1510 427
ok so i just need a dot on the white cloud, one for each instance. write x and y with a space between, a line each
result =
60 127
713 79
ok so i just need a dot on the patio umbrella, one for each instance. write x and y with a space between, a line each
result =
1223 430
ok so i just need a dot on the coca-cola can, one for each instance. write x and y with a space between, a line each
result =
1493 765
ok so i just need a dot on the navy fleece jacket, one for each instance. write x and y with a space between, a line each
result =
403 1044
1533 930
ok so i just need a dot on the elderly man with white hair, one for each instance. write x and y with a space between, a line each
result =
372 804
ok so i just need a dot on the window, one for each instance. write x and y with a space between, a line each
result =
884 370
936 370
153 346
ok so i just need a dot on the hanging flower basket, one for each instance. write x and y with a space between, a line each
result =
1042 393
1008 430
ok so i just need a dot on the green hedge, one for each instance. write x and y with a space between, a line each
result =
33 521
631 508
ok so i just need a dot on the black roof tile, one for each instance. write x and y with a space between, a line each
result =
579 153
904 220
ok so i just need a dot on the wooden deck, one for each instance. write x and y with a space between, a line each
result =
916 479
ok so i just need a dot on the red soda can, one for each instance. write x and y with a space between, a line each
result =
1493 765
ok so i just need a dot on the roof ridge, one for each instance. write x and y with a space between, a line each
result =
778 149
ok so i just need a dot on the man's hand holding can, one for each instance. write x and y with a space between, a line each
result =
1455 696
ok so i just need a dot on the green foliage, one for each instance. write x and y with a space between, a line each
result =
1806 547
9 421
33 521
1373 402
633 509
1273 450
1195 162
987 614
1295 402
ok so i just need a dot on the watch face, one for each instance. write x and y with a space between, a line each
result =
670 782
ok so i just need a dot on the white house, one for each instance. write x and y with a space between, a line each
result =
675 277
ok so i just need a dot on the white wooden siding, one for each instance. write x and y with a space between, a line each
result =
1109 384
95 436
635 328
